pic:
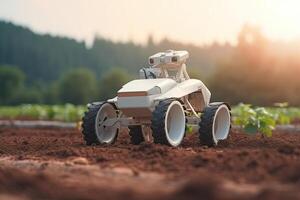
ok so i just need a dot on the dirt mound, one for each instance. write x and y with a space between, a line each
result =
41 186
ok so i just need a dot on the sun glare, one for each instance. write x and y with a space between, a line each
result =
281 18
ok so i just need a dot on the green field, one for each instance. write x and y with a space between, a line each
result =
67 112
263 119
252 119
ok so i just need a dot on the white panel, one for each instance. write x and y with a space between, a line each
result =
187 87
142 85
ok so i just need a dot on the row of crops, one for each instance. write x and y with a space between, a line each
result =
264 119
67 112
252 119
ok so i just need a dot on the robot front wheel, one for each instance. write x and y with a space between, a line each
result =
168 123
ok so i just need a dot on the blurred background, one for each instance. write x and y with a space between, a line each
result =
57 52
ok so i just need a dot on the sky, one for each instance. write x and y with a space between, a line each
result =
190 21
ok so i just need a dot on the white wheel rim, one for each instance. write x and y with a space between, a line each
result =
221 124
175 123
105 134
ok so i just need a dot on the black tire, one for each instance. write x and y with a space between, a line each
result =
88 124
206 124
158 122
136 134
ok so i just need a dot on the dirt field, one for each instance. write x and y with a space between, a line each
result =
55 164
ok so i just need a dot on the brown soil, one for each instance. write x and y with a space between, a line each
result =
296 121
55 164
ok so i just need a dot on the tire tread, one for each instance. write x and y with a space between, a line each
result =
88 124
206 123
158 122
136 134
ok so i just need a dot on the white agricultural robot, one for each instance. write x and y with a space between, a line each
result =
163 101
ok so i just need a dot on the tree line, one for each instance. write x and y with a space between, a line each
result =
37 68
78 86
43 58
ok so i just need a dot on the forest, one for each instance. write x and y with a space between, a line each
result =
46 69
